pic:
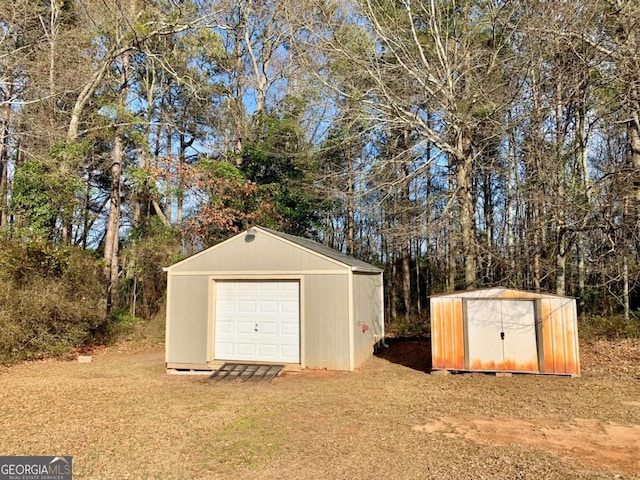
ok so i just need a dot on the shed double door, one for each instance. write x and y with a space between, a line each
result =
257 321
501 335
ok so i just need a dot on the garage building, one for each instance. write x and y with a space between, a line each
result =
267 297
502 329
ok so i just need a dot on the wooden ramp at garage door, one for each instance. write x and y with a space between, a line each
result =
245 372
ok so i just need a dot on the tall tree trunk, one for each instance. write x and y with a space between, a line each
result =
534 200
560 220
451 236
239 114
393 291
86 213
182 158
538 234
625 286
582 134
391 206
511 205
487 194
582 273
178 186
562 251
451 264
465 198
633 129
350 205
112 235
405 236
634 213
406 279
418 277
4 164
561 273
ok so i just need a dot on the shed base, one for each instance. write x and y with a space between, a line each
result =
208 368
504 373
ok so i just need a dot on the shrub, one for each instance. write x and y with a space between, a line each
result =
124 327
609 327
418 326
51 299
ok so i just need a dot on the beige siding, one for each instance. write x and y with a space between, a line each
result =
187 322
263 253
326 314
368 316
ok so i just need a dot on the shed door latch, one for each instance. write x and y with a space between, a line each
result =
255 329
501 335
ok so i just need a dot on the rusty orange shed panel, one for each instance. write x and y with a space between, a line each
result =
447 339
489 330
559 336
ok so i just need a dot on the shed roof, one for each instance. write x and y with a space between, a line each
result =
497 292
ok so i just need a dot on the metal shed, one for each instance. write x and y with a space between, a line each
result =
502 329
267 297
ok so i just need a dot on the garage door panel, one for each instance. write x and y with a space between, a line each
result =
265 319
286 319
224 349
289 351
245 328
289 329
268 328
225 327
225 305
246 306
267 350
289 307
245 348
268 306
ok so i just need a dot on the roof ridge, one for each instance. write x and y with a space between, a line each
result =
325 250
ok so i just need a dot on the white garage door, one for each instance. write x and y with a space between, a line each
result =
257 321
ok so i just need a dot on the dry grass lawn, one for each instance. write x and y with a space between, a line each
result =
122 417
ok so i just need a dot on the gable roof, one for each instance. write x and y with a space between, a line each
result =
314 247
354 263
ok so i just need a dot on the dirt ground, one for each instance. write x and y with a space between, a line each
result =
122 416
